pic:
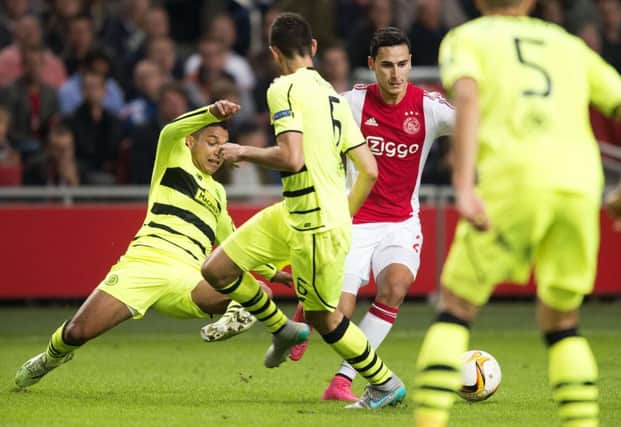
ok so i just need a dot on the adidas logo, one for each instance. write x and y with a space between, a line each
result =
371 122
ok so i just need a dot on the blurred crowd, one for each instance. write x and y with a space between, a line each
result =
86 85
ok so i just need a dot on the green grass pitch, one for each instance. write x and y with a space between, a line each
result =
157 372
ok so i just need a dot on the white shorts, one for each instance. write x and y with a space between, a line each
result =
379 244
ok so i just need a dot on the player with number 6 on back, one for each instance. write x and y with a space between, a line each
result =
311 227
521 89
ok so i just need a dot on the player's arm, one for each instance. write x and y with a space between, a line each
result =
604 84
366 166
460 71
467 115
287 155
192 121
286 117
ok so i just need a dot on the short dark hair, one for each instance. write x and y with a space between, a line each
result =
388 36
291 34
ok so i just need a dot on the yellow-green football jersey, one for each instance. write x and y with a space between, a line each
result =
535 84
304 102
187 209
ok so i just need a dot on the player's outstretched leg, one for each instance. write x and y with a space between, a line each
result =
99 313
298 350
57 353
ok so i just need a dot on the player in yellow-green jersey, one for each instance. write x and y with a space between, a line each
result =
521 89
187 214
312 226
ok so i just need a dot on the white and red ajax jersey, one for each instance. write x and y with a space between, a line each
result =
400 136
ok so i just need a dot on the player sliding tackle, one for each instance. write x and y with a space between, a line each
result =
187 215
312 226
522 89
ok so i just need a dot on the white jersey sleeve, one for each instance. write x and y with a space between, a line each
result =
439 114
355 99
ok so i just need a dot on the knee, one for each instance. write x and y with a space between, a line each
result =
392 291
75 333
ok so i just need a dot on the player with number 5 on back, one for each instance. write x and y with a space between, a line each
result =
521 88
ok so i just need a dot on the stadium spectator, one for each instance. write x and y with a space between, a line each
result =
265 68
163 52
27 35
222 29
10 159
427 32
32 102
380 14
213 54
56 163
407 12
243 14
319 13
70 94
148 80
124 33
589 32
156 25
172 102
57 21
334 67
610 11
10 12
551 11
81 39
97 133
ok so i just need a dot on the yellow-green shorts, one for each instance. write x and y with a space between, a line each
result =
558 233
150 279
317 259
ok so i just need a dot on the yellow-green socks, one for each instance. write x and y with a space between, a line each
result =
438 370
353 346
573 376
57 348
247 291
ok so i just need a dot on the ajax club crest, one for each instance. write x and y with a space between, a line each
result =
411 124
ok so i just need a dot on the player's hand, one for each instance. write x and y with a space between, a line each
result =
224 109
471 208
613 207
283 277
231 152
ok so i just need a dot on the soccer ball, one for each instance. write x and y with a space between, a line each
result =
480 376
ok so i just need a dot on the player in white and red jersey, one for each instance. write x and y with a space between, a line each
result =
400 122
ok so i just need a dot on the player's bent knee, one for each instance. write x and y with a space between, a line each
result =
76 333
